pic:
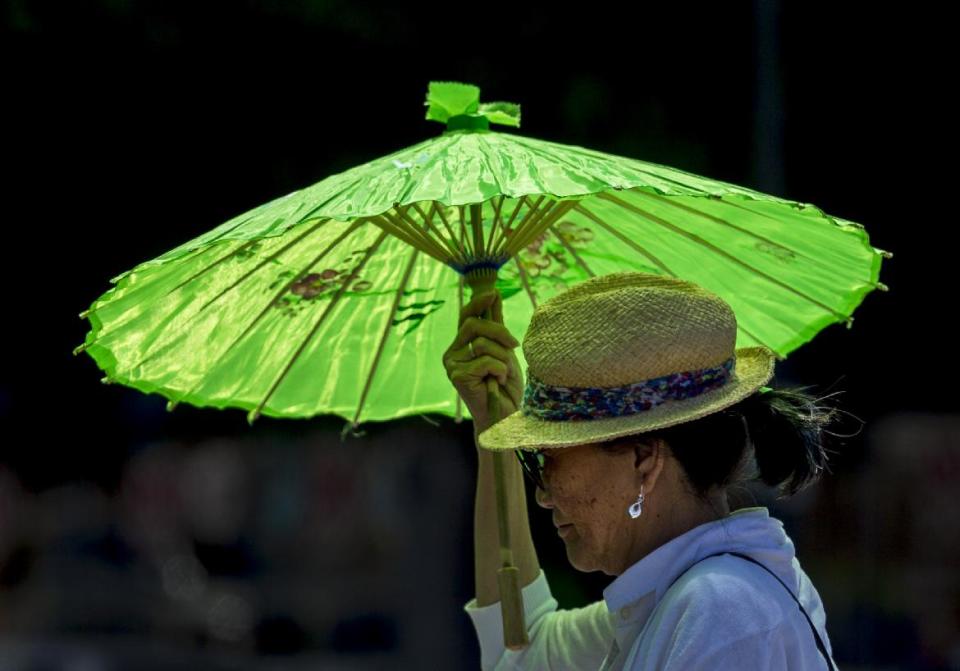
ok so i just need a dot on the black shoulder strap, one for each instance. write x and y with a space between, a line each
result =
820 646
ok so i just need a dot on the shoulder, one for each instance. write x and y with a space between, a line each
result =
725 596
721 613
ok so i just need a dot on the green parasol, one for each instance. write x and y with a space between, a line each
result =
341 297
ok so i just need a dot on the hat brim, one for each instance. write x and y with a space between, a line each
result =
754 367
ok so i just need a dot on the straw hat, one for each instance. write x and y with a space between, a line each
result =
626 353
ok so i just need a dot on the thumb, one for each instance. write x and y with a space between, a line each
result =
486 301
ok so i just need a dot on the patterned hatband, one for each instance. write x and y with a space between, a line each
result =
559 403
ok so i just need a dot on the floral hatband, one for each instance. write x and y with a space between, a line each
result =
557 403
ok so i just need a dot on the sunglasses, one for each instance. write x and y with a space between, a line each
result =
532 463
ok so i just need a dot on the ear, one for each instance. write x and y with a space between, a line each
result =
651 456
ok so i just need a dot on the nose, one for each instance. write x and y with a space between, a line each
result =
542 498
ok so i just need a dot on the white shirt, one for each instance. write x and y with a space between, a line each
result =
724 613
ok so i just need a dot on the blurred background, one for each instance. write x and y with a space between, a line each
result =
134 538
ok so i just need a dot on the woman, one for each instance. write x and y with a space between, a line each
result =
637 417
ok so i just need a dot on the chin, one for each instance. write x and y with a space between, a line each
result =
589 568
584 565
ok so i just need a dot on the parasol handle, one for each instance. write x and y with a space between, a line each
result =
508 576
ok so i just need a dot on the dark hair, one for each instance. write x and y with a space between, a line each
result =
783 429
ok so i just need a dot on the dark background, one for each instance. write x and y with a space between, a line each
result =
134 126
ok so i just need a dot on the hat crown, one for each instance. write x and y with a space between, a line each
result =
622 328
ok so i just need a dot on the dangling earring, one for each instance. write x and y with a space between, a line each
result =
636 509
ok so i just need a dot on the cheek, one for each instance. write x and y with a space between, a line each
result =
572 489
585 505
604 512
589 497
569 501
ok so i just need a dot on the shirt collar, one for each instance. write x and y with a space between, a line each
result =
633 595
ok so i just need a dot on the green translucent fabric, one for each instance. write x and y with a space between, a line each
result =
311 304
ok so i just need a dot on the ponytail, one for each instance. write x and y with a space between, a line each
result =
786 429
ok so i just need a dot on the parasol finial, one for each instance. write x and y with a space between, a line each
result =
459 106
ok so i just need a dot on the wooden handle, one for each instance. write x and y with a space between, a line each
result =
508 576
511 604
